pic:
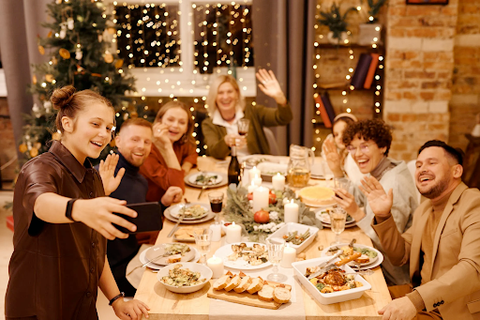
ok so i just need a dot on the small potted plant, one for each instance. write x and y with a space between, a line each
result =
370 32
335 21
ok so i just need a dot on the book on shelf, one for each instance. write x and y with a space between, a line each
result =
328 106
360 74
323 112
371 70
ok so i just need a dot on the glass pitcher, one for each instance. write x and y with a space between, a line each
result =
298 172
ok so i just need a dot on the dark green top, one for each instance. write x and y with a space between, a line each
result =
257 143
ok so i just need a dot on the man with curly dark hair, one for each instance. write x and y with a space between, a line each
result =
369 141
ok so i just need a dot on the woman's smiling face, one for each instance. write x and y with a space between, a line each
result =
176 119
366 154
227 97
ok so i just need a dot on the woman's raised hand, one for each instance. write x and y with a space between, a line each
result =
270 86
332 157
107 173
160 134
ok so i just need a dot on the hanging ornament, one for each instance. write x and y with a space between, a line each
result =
49 35
41 49
48 106
78 54
80 69
22 148
64 53
119 63
35 108
56 135
33 152
54 61
108 57
111 30
70 23
63 30
37 145
34 79
49 78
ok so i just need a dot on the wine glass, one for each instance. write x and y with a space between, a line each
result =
203 239
243 125
275 255
338 216
216 202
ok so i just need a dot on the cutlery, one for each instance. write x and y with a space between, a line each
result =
325 265
201 191
175 227
149 261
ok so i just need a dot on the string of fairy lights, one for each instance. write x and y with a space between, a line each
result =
346 88
148 36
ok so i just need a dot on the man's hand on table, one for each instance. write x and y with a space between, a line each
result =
172 195
399 309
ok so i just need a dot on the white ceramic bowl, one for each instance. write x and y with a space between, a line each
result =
301 228
328 298
204 271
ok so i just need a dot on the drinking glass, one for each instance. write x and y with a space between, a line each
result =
338 216
243 125
203 239
216 202
341 183
275 255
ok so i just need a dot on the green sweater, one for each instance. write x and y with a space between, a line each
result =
257 143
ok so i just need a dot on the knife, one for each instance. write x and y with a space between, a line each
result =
175 227
200 194
149 261
323 265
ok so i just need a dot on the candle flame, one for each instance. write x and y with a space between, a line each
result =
291 201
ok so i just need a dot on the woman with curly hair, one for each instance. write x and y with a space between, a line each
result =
368 142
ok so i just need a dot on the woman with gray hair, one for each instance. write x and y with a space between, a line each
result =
226 106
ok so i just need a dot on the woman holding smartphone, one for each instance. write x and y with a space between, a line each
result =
62 220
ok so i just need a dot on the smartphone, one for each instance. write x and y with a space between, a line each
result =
149 217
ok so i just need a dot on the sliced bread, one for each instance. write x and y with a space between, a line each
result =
233 283
255 286
266 294
244 284
222 282
281 294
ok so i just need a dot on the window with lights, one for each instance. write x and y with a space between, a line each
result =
175 47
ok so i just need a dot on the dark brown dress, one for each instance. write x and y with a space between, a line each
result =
55 268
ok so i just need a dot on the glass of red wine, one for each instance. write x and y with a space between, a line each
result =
243 126
216 202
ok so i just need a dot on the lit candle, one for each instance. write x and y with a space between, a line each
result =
260 198
216 231
216 265
257 181
278 182
234 233
290 211
252 187
254 172
289 256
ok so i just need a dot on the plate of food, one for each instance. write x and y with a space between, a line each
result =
143 259
186 234
317 196
206 179
297 235
332 286
244 256
176 208
324 216
369 258
269 169
185 277
168 253
190 211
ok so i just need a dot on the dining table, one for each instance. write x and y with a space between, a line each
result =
165 304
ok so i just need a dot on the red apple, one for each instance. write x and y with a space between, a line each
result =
261 216
272 197
250 196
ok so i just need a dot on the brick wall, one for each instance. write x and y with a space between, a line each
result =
465 102
419 70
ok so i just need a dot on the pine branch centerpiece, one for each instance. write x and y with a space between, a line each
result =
239 210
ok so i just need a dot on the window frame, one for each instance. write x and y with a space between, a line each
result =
183 80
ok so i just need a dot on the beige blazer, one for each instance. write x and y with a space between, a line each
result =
455 284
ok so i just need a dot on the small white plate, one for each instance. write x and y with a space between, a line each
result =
175 210
370 265
192 179
158 250
239 264
324 217
143 259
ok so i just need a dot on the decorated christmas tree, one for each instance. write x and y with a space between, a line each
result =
78 45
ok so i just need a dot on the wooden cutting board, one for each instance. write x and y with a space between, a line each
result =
245 297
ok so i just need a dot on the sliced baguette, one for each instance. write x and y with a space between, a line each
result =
266 294
244 284
222 282
281 294
256 285
233 283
